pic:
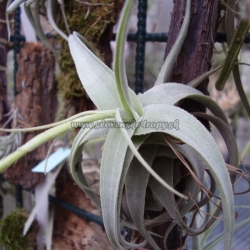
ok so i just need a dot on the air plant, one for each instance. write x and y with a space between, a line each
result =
10 142
150 142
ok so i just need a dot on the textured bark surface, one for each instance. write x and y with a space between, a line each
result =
196 53
37 104
193 60
4 104
70 231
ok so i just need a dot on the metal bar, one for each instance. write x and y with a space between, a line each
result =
163 37
80 212
21 38
140 48
76 210
150 37
19 196
17 26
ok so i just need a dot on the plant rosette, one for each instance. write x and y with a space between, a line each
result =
147 138
150 141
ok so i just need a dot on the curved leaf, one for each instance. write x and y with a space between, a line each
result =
142 161
193 133
138 141
14 5
97 79
167 198
227 135
172 93
174 52
76 158
43 137
50 10
107 113
234 49
111 171
136 184
119 61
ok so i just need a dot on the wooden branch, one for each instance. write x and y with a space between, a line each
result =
4 103
37 103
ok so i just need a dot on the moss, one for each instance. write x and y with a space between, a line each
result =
11 232
90 21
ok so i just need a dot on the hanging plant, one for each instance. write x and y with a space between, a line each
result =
149 141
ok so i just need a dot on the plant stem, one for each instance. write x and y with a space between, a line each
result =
42 138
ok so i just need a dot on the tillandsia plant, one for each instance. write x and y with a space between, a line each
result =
150 141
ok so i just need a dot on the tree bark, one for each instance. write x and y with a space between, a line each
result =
196 53
37 104
193 60
70 231
4 104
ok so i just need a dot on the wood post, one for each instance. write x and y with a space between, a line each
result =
37 104
193 60
4 104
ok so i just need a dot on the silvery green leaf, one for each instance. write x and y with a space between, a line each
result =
50 10
114 166
171 93
119 60
74 119
138 141
152 204
165 151
142 161
196 162
165 169
136 103
111 173
46 136
14 5
193 158
39 29
136 184
76 158
97 79
194 134
28 2
227 135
